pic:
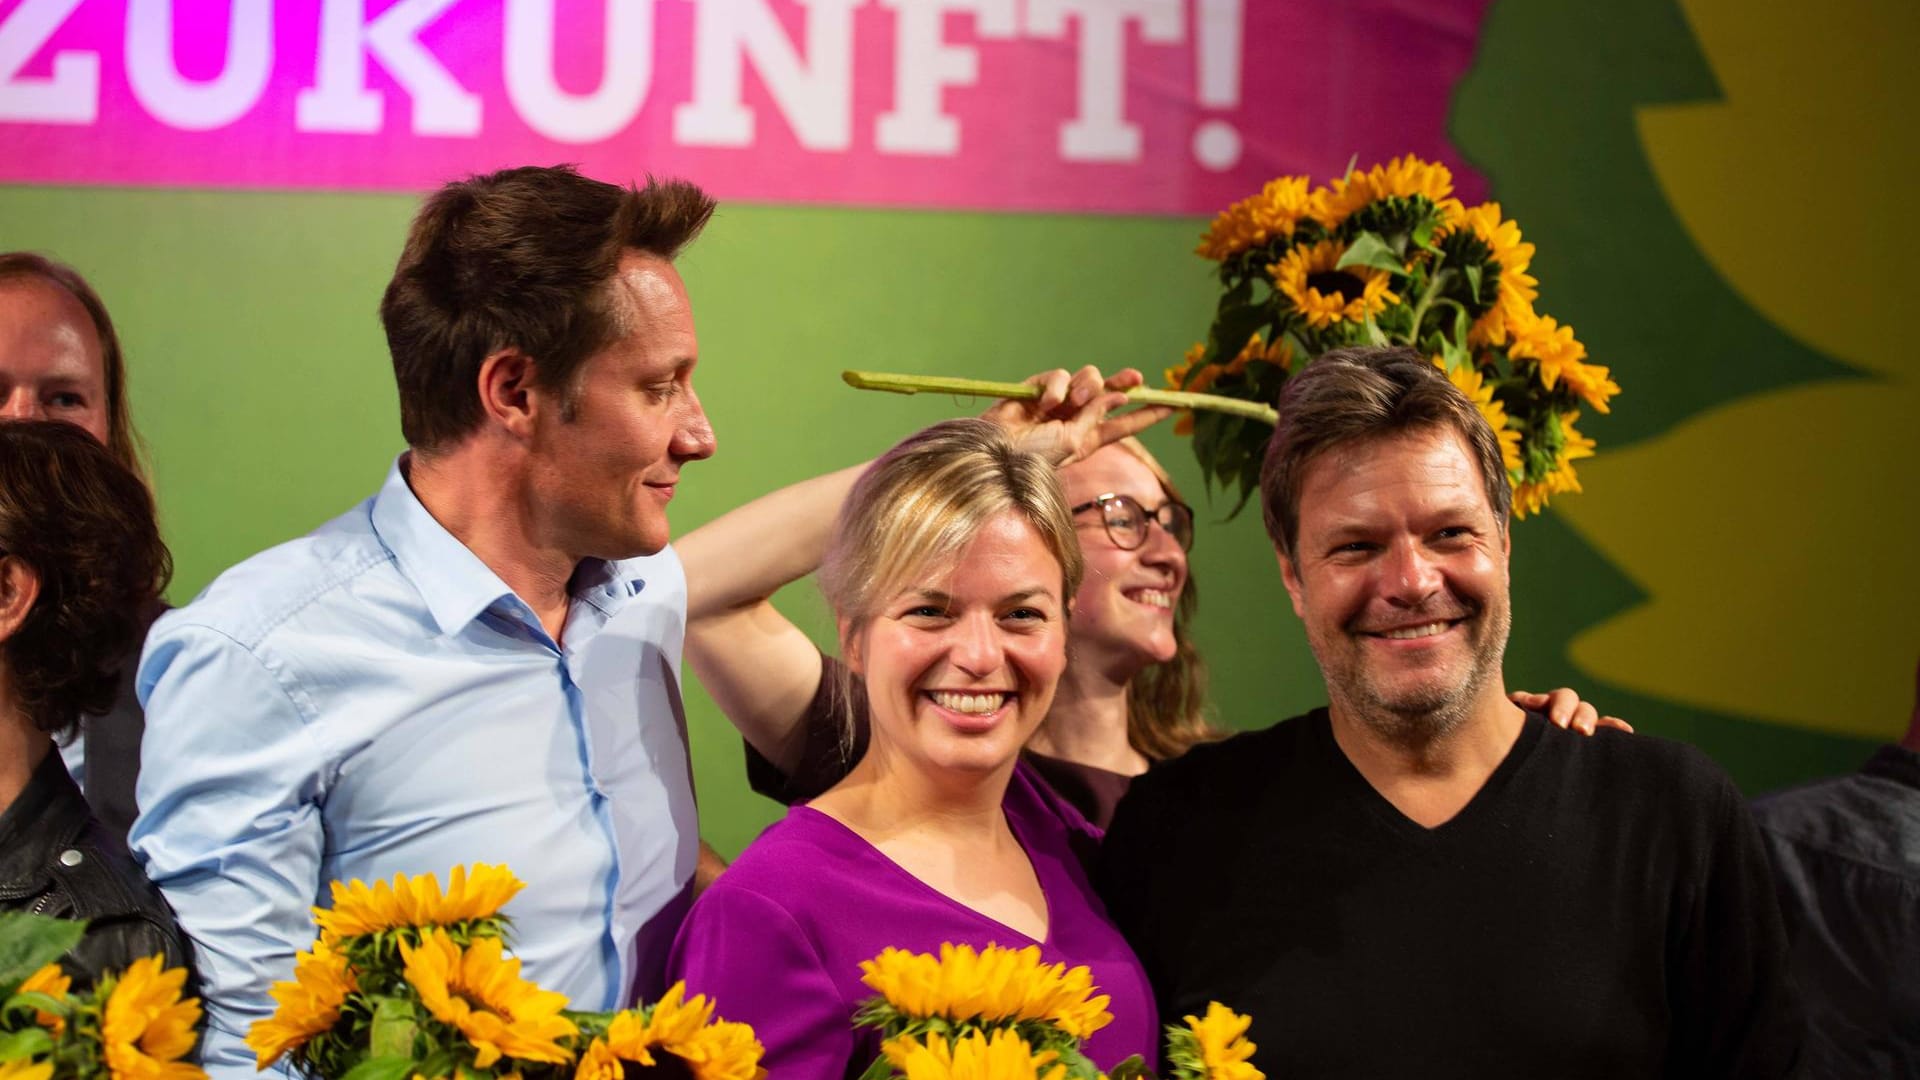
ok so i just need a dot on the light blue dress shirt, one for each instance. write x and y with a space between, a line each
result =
371 699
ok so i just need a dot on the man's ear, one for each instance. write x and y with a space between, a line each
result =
1290 577
508 396
850 647
19 588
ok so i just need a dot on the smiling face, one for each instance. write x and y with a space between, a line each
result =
961 664
51 364
607 455
1400 575
1123 613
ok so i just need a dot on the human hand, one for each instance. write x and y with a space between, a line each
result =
1070 419
1566 710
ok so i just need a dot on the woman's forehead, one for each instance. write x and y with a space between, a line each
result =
1005 553
1111 469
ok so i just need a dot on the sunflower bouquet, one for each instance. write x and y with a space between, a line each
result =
1003 1014
129 1026
1388 257
405 980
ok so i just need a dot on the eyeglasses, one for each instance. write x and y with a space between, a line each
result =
1126 520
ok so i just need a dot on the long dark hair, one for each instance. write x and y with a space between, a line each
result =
84 524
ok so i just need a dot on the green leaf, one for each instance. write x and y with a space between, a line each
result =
28 1042
1473 281
1368 249
36 1002
382 1068
31 942
1134 1068
395 1023
1079 1067
881 1069
1423 233
1241 293
1231 329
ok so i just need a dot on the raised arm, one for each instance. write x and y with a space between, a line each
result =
757 665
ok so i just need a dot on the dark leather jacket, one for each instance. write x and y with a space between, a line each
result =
55 859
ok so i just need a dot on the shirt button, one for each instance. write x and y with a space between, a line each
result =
71 857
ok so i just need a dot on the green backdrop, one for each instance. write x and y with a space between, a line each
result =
1715 189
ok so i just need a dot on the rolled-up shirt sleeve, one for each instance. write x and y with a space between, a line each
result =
231 781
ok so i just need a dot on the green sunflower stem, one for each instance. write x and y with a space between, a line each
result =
1426 301
1139 395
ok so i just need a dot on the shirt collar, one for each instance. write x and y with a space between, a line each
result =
452 580
456 585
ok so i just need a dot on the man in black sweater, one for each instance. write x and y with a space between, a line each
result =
1422 879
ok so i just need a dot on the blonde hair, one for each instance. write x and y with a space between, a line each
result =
924 500
1167 702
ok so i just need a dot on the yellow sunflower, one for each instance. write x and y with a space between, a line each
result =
1470 382
673 1019
146 1029
1517 290
599 1062
26 1070
51 981
416 901
722 1050
1351 295
307 1006
975 1056
1256 348
1222 1038
1176 376
1276 210
1561 358
995 985
1403 177
1532 497
480 992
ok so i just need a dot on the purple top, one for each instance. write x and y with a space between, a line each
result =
777 941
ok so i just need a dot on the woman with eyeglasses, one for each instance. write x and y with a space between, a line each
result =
1134 690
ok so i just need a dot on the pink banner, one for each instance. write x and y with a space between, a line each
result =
1147 106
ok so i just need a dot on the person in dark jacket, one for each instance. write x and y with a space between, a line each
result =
80 558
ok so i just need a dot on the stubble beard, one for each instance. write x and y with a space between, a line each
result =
1427 714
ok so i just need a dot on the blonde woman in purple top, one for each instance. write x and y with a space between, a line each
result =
950 571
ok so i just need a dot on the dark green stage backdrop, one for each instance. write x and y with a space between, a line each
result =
1713 188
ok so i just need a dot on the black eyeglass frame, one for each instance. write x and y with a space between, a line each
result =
1155 517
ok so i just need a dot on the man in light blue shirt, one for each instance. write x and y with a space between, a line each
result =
481 662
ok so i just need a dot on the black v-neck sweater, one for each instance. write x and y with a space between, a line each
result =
1600 908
